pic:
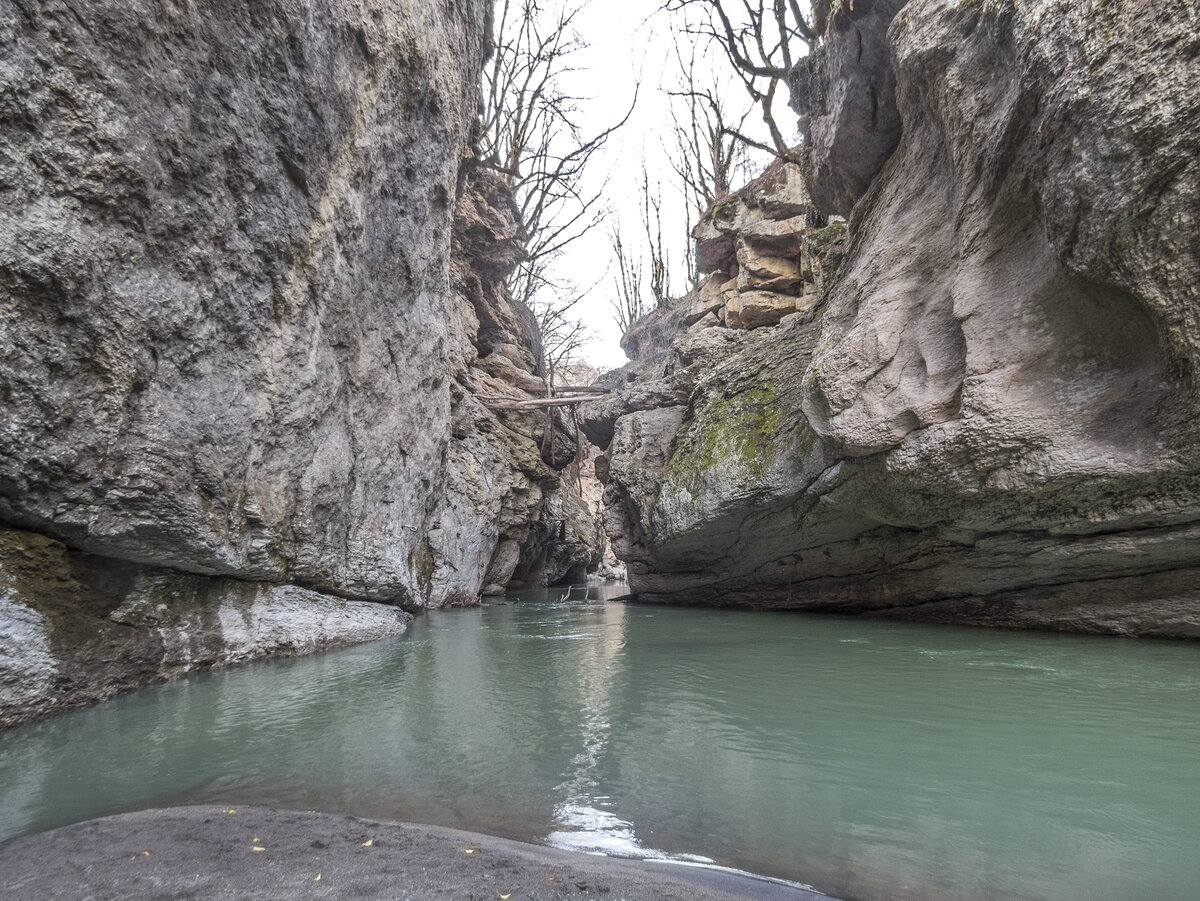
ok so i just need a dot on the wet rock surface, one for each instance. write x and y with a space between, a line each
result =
75 629
990 417
211 852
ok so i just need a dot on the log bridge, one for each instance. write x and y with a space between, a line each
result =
566 396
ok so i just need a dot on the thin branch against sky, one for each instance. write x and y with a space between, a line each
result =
628 46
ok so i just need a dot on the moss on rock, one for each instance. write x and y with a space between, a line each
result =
733 434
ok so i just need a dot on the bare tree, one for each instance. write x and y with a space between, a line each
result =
563 334
652 226
628 306
642 268
531 135
708 153
760 38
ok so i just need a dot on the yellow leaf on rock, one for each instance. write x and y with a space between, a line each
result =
318 879
368 843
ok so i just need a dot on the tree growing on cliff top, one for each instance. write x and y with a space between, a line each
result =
710 149
642 279
711 153
765 42
532 136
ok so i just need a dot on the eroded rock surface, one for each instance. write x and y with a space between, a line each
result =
508 512
846 96
991 417
76 628
251 306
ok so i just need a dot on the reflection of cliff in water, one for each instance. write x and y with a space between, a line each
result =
870 759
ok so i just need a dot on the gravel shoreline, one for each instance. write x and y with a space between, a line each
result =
262 853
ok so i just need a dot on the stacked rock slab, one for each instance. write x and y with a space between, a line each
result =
753 249
245 308
765 266
992 417
764 254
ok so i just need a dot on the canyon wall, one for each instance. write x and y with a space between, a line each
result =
251 306
989 414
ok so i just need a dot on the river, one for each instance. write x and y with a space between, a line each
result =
871 760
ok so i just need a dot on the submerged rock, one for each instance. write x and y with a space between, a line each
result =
991 417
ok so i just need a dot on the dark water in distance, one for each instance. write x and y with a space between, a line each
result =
869 759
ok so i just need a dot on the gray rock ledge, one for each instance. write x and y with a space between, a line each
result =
208 852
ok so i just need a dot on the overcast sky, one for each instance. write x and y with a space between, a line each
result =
626 43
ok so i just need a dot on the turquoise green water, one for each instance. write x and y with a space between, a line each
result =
871 760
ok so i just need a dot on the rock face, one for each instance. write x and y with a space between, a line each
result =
991 417
763 253
249 304
846 96
505 514
76 628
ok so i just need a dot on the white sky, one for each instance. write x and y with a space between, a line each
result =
626 41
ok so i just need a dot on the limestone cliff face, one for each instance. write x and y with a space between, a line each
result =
506 514
247 303
990 417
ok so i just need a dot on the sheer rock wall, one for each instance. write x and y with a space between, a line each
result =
992 416
249 306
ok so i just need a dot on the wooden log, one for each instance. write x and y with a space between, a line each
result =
535 403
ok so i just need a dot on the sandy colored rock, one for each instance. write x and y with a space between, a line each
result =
752 309
760 262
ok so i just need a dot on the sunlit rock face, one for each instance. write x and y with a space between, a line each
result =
991 418
248 295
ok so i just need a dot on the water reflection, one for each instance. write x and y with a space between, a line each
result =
871 759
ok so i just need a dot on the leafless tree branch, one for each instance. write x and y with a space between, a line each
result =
760 40
532 136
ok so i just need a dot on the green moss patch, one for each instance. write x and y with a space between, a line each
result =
732 435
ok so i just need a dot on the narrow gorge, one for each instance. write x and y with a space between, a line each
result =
297 372
255 318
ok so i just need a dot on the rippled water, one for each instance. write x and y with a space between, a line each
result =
872 760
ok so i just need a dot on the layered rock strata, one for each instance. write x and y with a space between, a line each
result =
509 511
249 306
76 628
764 254
990 417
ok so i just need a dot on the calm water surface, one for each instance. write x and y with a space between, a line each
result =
871 760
